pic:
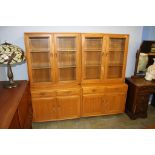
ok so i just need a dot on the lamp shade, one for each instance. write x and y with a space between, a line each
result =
11 54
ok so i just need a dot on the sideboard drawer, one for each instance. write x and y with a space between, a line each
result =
93 90
42 94
115 89
68 92
146 89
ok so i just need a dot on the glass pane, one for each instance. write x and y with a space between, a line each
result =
93 58
67 74
66 59
114 71
39 43
41 75
92 43
116 58
92 72
40 59
117 44
66 49
66 43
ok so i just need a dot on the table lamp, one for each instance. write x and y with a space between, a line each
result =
9 55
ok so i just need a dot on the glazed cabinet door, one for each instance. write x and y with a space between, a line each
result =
39 51
93 48
67 57
116 54
92 105
44 109
114 103
68 107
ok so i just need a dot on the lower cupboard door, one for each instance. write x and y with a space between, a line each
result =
44 109
92 105
115 103
68 107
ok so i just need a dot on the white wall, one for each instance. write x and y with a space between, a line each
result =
15 35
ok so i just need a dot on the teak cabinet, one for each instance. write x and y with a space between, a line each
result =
74 74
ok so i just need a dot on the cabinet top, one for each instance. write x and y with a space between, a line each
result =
93 33
140 82
9 101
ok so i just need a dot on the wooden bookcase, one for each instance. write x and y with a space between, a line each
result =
76 74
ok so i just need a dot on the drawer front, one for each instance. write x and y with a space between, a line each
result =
105 89
115 89
90 90
146 89
68 92
42 94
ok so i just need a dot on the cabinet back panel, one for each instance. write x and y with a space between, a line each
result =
65 43
114 72
40 59
116 57
93 72
93 58
66 59
41 75
38 43
92 43
67 74
117 44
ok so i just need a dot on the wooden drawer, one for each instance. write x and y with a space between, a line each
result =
146 89
115 89
90 90
105 89
68 92
42 94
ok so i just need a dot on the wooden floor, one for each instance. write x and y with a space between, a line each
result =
120 121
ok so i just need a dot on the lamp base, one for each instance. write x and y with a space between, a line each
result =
10 85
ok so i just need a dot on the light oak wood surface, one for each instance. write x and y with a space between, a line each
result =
76 75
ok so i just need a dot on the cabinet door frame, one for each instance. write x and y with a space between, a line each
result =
83 113
78 57
54 104
119 36
28 55
60 106
122 97
95 35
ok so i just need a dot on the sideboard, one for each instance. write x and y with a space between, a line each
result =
15 106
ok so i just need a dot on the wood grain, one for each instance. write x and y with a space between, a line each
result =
14 106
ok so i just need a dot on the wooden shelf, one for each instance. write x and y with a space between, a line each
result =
66 50
95 65
115 64
41 67
93 50
116 50
39 50
61 67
